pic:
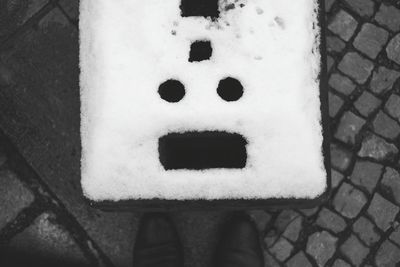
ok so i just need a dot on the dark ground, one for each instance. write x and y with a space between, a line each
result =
43 214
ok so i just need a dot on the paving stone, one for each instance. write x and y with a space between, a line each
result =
15 13
281 249
321 246
71 7
328 4
386 126
391 182
366 174
340 263
53 17
329 63
271 237
284 219
354 250
14 197
393 49
356 66
335 44
292 231
388 16
335 104
362 7
367 103
349 127
392 106
383 80
269 260
365 230
336 178
341 84
387 255
330 220
45 242
340 157
371 39
261 219
349 201
300 259
395 235
343 24
382 211
377 148
309 212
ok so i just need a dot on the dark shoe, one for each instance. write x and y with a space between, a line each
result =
157 243
240 245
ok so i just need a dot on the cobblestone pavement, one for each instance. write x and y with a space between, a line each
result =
44 217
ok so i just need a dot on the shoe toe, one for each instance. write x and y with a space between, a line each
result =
241 231
157 243
240 245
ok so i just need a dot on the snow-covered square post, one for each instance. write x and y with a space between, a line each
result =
203 100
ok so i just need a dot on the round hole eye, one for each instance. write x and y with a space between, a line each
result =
230 89
171 90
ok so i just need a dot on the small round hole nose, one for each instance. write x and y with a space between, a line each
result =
171 91
230 89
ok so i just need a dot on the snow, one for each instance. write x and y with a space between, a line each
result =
129 47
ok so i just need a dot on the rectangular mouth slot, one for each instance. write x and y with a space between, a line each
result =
202 150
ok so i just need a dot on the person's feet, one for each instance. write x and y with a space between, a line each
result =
239 245
157 243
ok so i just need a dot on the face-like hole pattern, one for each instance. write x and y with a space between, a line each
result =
171 91
230 89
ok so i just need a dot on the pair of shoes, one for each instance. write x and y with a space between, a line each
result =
158 245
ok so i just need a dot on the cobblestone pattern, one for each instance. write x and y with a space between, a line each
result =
359 225
44 218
